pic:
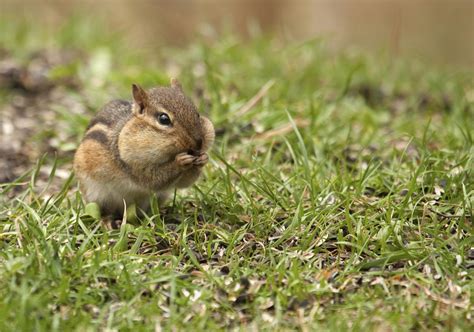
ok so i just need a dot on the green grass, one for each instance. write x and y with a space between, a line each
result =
343 199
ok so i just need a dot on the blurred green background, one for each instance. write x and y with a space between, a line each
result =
339 194
435 31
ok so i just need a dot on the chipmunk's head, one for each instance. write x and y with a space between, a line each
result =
165 122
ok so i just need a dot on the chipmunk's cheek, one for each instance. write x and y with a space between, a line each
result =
180 144
208 133
146 148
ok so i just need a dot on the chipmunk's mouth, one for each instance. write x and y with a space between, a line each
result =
193 152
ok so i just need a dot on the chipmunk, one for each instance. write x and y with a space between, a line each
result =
132 150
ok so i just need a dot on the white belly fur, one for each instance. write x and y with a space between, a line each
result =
111 195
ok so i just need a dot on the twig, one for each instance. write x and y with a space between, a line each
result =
437 298
255 99
286 128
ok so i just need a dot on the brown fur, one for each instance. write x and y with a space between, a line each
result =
94 160
128 154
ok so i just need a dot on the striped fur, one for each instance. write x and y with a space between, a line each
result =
127 155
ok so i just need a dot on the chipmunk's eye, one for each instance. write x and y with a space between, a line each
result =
164 119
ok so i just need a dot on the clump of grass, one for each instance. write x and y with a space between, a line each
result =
340 197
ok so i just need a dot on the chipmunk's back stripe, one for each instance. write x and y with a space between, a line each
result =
111 113
104 121
97 135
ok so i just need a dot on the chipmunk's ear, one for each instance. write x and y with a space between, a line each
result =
140 97
176 85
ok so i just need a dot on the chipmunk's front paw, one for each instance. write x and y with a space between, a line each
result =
185 160
201 160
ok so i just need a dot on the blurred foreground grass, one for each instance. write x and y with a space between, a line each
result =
340 192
